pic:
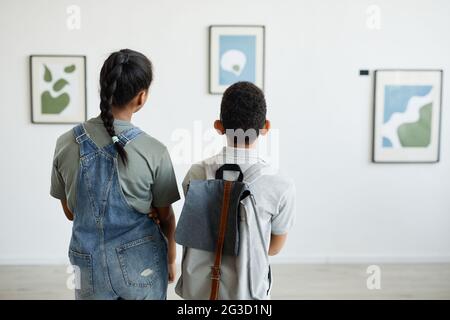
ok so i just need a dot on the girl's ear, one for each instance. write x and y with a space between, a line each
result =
218 125
266 128
142 97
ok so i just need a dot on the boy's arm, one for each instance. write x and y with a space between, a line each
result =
276 243
166 219
283 220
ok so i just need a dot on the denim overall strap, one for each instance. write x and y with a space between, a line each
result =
128 135
82 138
119 251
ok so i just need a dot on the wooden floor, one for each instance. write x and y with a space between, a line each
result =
408 281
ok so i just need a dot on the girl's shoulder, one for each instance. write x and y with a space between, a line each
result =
65 142
147 147
147 143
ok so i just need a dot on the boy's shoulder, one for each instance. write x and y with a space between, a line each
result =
197 171
269 176
273 184
204 169
276 179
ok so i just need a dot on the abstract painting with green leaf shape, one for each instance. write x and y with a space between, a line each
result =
58 89
407 115
55 105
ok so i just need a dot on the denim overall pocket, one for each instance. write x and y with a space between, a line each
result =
139 261
82 264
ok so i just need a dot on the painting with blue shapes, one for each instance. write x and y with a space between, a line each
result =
398 101
237 59
407 115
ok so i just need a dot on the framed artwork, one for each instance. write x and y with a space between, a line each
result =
236 53
58 88
407 115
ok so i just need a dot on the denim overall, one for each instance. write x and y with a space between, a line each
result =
117 252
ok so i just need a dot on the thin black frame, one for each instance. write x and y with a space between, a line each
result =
31 85
439 122
237 26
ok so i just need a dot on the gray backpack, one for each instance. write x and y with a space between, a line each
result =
225 255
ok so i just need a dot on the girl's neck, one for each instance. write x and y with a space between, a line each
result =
123 114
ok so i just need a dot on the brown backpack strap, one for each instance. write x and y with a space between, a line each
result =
215 272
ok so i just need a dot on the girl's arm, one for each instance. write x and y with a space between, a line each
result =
166 219
66 209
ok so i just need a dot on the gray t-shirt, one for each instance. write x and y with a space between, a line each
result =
274 194
147 180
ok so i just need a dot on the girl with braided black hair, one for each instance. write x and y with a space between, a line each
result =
109 175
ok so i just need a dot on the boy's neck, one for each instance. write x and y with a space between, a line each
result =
242 146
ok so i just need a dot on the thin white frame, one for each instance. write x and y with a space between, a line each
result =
400 77
34 114
217 30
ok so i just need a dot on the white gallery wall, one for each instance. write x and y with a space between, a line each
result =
349 209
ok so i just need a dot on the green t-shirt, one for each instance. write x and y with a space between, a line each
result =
147 180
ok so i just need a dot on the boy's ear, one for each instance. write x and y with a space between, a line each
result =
218 125
266 128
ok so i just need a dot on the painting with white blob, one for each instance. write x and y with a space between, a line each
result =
236 54
407 115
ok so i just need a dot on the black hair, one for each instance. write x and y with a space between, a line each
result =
243 107
124 74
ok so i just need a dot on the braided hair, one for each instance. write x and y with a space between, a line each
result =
124 74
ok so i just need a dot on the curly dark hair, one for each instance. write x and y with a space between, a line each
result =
243 107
